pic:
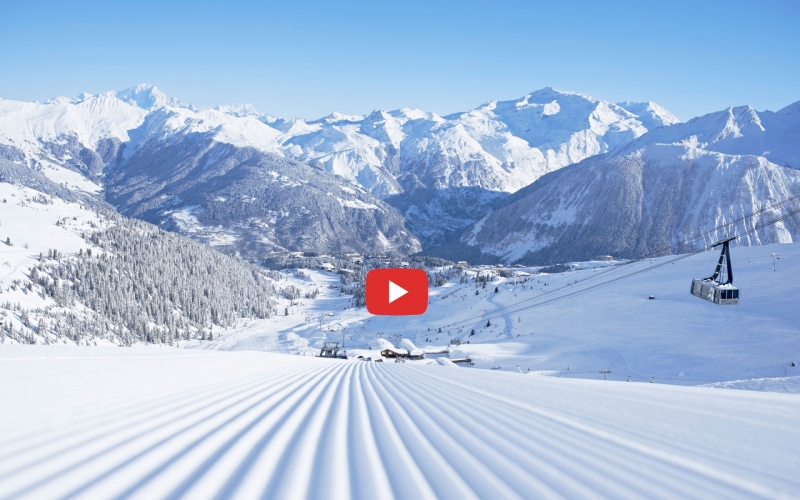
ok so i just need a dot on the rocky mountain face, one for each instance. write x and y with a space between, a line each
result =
253 202
652 195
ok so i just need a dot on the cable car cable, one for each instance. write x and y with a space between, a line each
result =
516 309
618 268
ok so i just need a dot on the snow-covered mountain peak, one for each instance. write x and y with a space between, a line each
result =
415 114
649 113
792 109
739 130
738 121
53 100
294 126
246 131
242 110
147 97
378 114
88 120
549 93
666 185
336 117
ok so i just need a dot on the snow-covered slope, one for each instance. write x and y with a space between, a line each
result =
167 423
555 323
34 223
71 273
652 195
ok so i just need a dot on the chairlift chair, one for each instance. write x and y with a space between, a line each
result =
718 288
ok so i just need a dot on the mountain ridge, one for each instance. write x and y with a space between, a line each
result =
651 196
442 173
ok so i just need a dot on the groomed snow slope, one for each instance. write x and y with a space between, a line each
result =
167 423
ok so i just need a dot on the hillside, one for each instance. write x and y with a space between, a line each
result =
71 275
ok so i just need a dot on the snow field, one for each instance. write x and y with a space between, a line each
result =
33 230
168 423
676 338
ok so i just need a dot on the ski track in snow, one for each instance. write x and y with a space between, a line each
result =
246 425
508 329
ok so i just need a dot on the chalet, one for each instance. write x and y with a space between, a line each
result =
386 349
327 267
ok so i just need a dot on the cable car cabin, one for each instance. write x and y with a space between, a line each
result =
718 288
714 292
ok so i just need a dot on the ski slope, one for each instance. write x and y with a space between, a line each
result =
155 422
675 338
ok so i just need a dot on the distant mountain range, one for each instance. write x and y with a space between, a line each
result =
443 173
653 195
404 180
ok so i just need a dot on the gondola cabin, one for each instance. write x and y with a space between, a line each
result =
714 292
718 288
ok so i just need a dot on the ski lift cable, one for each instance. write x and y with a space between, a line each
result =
641 271
657 252
636 273
513 308
664 250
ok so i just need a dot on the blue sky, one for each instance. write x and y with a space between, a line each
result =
304 58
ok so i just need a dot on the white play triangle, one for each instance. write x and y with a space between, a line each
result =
395 291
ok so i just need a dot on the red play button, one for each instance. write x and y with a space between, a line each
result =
397 292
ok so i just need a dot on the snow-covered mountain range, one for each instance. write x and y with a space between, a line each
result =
215 174
398 181
442 173
654 194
